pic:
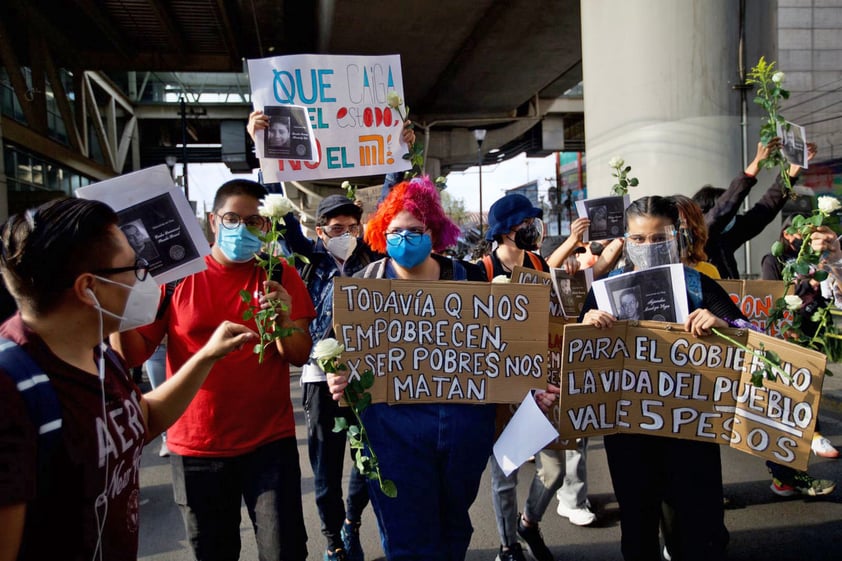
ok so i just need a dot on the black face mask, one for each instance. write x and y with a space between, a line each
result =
528 237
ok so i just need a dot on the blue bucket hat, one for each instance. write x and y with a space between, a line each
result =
508 212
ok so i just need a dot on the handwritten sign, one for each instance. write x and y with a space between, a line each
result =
453 342
646 379
345 99
524 275
756 300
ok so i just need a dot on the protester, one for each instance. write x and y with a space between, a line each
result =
339 251
729 231
425 449
693 236
648 470
69 489
515 226
237 439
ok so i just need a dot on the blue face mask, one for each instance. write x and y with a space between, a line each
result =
239 245
408 249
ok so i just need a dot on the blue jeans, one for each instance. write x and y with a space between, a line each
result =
435 454
327 455
209 492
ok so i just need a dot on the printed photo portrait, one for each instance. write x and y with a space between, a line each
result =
628 304
289 135
140 240
607 216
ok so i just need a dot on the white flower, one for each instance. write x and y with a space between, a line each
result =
793 302
275 206
778 77
327 349
829 205
346 185
616 162
393 100
501 279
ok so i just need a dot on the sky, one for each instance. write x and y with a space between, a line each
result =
205 179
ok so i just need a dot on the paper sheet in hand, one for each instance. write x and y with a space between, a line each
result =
528 432
157 220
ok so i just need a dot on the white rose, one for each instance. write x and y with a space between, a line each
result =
501 279
778 77
346 185
829 205
616 162
793 302
393 100
327 349
275 206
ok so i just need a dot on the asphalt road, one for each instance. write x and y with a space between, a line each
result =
763 526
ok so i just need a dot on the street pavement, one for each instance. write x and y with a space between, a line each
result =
763 526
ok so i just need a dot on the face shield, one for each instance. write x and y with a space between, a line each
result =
652 249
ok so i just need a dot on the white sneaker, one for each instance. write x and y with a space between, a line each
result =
822 447
580 516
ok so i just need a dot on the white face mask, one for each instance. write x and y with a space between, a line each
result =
141 305
342 246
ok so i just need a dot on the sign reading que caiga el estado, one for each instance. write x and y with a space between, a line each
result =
447 342
357 133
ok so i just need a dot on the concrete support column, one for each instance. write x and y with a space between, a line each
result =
659 79
658 90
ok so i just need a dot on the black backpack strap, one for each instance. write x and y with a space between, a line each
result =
40 400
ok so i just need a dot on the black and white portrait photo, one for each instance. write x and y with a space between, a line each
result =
607 216
793 143
656 294
139 239
288 135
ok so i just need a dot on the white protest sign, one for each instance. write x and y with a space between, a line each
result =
356 132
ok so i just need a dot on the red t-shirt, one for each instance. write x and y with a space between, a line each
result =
61 522
242 404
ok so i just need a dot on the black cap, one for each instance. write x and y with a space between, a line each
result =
334 205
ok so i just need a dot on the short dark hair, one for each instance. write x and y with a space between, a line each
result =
237 187
44 249
706 197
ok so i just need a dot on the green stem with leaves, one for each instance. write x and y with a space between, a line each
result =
772 368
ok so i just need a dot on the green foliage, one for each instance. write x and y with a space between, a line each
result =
805 268
770 95
621 173
358 399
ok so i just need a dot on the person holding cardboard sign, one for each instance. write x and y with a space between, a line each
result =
435 453
648 470
514 225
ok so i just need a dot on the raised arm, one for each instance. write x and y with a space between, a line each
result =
565 250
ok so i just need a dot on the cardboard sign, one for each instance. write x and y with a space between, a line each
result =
756 299
654 378
356 132
523 275
447 342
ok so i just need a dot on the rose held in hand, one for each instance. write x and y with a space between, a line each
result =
275 206
829 205
793 302
327 350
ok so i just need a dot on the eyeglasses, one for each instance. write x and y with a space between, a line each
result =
411 235
340 229
232 220
140 268
640 239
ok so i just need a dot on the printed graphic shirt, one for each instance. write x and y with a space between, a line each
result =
95 468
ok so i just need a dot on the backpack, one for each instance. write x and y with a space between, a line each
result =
40 400
489 264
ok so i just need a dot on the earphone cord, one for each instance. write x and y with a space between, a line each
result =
102 498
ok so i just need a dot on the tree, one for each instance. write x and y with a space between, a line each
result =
453 207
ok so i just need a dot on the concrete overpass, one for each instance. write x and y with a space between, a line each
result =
93 85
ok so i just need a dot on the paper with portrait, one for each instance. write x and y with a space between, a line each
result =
656 294
157 220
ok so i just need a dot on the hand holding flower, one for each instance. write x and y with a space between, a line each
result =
824 240
277 298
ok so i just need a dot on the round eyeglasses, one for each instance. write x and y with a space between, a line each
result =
411 235
140 268
232 221
339 229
